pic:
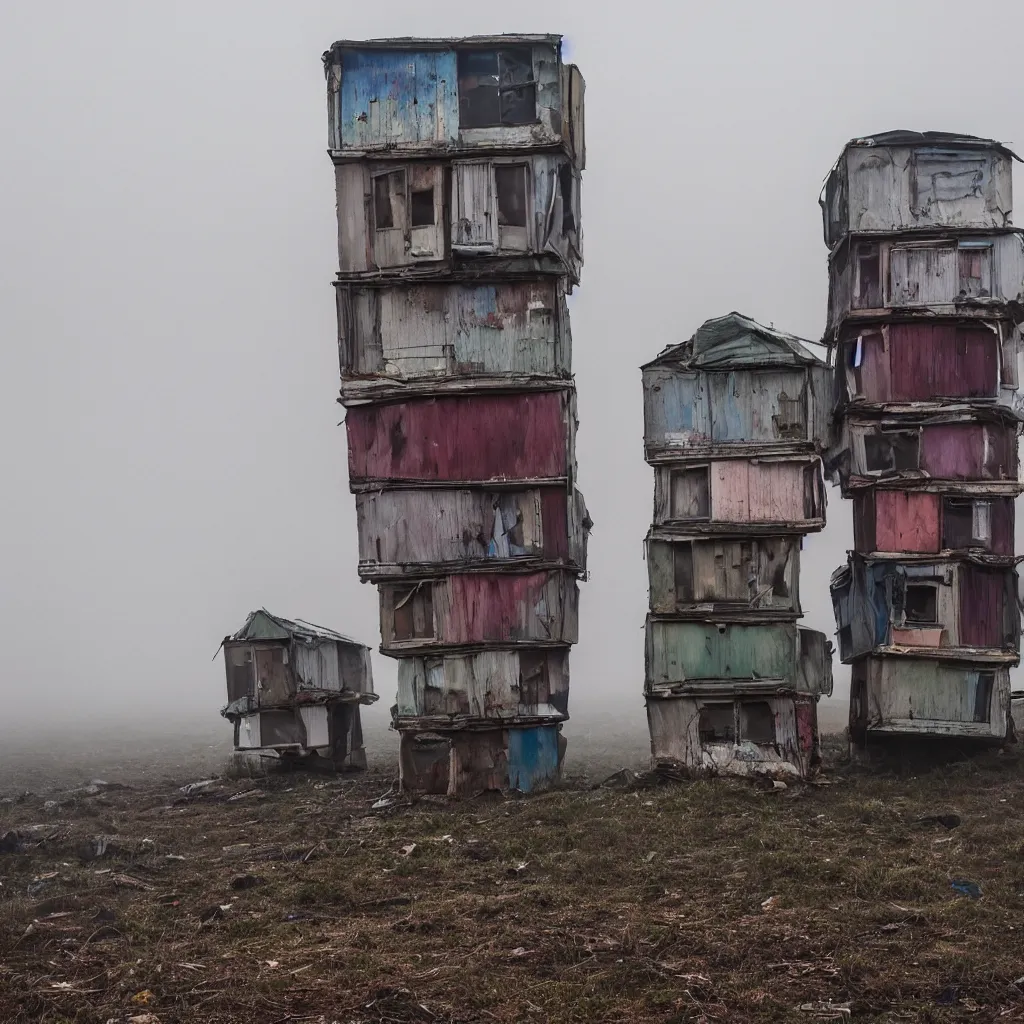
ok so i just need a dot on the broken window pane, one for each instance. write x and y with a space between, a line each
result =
421 207
921 604
691 492
757 723
383 215
510 181
868 292
789 422
717 723
496 87
975 271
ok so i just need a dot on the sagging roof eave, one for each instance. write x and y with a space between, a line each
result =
295 628
421 43
900 138
682 353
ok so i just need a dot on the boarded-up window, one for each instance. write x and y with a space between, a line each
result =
683 555
717 723
975 271
757 723
473 224
922 274
691 493
534 685
868 288
921 604
414 612
891 452
496 87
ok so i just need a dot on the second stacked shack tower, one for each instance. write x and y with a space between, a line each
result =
458 167
734 421
926 276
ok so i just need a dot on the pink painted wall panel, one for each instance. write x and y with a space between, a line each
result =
930 361
752 492
957 451
906 521
477 437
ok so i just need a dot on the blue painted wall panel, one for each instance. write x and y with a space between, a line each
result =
398 99
532 757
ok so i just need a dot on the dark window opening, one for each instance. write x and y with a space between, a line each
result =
565 184
921 604
717 723
384 186
812 507
757 723
983 697
414 612
691 493
510 181
966 524
684 573
894 452
789 421
534 684
496 87
421 207
869 278
974 264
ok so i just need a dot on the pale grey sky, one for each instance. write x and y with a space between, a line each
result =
171 454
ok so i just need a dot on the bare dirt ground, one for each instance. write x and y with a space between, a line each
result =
290 898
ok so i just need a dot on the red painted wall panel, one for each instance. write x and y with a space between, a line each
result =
907 521
930 361
554 522
497 607
477 437
956 451
981 606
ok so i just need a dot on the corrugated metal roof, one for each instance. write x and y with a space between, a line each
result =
735 340
441 43
261 625
902 137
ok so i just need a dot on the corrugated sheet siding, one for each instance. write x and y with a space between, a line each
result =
691 651
969 451
409 527
929 361
453 329
471 438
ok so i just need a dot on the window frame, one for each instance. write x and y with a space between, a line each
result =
501 90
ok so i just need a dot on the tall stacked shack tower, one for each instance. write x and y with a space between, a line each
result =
458 167
925 290
734 423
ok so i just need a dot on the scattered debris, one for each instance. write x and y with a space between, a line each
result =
240 882
407 850
143 998
949 821
770 904
966 888
197 787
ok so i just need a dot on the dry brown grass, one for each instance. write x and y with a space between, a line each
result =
708 901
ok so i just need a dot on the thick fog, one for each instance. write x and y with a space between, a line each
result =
172 455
